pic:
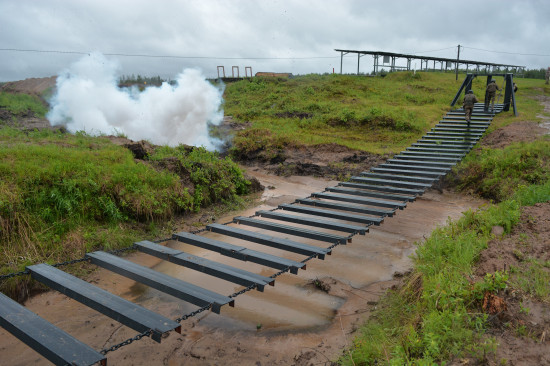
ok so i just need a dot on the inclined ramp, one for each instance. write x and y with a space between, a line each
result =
348 208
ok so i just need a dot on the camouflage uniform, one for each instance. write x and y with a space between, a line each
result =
468 104
490 93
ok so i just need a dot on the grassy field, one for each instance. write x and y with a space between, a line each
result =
62 195
18 104
373 114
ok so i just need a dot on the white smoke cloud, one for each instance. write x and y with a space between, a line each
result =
88 99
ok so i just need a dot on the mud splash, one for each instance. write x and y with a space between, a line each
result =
302 319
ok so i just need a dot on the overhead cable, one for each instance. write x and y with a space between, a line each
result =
509 53
170 56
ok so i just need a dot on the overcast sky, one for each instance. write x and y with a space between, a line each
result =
296 36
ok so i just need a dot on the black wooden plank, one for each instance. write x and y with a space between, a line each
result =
117 308
404 171
162 282
443 145
427 158
421 163
450 138
359 190
220 270
292 230
332 214
428 168
303 220
239 252
392 183
420 155
464 133
356 199
351 208
383 188
271 241
401 178
51 342
461 129
436 148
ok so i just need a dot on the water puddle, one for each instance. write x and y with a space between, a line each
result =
294 303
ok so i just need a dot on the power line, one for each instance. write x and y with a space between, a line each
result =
508 53
443 49
170 56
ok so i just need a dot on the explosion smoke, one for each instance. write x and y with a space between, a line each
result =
89 99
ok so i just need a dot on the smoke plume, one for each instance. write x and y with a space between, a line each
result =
89 99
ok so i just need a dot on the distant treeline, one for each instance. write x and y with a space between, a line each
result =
534 73
141 81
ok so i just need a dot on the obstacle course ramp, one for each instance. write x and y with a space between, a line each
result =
317 224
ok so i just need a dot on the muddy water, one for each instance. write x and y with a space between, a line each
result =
275 327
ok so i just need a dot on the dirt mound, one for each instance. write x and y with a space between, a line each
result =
29 86
521 323
33 86
516 132
323 160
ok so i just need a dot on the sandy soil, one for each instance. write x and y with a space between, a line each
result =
29 86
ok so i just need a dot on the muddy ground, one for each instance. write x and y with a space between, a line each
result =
311 318
304 319
520 323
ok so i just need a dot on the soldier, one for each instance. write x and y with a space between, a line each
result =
547 75
492 88
468 104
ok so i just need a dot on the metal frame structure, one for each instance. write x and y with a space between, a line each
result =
233 71
445 63
509 95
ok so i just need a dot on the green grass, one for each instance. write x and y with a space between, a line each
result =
367 113
497 173
22 103
372 114
214 178
533 279
62 195
436 315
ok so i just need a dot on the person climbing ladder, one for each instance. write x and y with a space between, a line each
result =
469 101
490 93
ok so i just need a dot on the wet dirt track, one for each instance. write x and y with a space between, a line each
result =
294 322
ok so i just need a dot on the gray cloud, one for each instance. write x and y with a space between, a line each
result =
255 29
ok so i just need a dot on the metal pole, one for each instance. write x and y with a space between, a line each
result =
358 56
457 59
341 60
